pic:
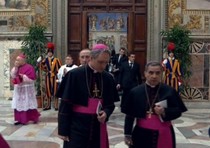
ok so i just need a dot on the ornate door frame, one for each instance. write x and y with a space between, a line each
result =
156 18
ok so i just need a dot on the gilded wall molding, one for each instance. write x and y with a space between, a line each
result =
174 16
190 14
16 18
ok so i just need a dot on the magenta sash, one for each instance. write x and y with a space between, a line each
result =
154 123
91 109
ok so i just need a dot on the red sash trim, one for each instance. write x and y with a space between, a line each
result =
154 123
91 109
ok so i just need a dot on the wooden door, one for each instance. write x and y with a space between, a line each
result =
137 24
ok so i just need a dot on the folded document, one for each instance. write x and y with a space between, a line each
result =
163 104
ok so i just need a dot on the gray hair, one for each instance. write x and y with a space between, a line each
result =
153 63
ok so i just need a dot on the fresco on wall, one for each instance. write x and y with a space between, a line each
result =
108 28
14 5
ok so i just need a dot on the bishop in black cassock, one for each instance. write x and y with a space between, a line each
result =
152 130
76 89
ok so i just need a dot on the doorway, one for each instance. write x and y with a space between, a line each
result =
117 22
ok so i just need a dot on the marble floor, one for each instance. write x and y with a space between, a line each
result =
191 129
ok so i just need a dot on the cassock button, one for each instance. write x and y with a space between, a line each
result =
155 137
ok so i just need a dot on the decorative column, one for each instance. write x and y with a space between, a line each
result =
156 22
59 14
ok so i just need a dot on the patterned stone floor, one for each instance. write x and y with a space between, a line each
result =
191 129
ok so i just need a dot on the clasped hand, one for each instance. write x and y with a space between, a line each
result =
101 118
16 64
64 138
159 110
128 140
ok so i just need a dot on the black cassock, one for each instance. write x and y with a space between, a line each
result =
75 89
137 107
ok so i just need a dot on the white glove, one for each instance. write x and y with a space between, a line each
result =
165 61
39 59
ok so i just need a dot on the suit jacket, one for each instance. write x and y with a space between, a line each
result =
118 63
129 77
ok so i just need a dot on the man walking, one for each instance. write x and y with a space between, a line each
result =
88 94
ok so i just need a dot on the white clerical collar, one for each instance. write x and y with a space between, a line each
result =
69 65
153 86
51 57
171 58
94 71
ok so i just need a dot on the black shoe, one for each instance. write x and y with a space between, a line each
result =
46 108
35 122
56 109
17 123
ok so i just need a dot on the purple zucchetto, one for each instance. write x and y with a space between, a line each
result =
99 47
22 56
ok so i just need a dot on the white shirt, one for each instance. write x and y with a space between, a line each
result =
165 60
61 71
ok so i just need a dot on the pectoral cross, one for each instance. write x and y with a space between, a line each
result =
149 113
96 91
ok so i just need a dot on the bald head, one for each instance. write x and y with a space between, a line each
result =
84 56
20 61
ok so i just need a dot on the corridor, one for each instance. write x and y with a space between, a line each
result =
191 129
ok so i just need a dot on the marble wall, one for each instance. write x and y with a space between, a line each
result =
200 79
8 52
195 16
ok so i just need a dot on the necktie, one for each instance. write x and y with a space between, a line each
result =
119 58
131 65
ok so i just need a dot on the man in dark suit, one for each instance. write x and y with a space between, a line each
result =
129 76
117 61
